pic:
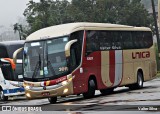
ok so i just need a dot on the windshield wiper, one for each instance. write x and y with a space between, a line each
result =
50 66
38 66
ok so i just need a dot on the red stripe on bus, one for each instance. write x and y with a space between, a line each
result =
52 82
44 83
112 65
56 81
122 68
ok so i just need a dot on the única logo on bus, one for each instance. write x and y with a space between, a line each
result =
139 55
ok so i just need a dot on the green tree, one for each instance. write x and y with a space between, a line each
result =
37 14
59 12
137 15
48 12
18 28
128 12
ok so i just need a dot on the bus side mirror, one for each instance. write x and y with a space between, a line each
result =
68 47
15 54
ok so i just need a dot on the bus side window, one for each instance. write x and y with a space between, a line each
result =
148 39
127 40
105 40
140 39
135 43
92 43
117 40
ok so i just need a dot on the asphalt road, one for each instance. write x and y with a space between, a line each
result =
122 100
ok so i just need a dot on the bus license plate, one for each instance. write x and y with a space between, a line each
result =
45 94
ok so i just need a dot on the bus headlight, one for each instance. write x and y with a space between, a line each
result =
64 83
65 90
28 95
27 87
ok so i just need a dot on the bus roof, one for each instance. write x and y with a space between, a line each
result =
15 42
66 29
7 48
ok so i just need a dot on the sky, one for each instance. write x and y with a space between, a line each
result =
11 11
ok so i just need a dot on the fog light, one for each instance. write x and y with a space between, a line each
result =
65 90
28 95
64 83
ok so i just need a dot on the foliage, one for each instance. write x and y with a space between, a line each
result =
18 27
37 14
48 12
157 57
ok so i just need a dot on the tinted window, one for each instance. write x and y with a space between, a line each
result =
110 40
92 42
142 39
105 40
117 40
137 39
127 40
148 41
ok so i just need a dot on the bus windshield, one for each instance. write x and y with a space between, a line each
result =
45 59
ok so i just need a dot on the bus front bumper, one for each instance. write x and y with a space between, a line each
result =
49 91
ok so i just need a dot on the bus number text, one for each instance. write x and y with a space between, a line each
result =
89 58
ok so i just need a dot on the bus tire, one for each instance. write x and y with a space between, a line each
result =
140 80
52 100
139 83
2 97
106 91
91 89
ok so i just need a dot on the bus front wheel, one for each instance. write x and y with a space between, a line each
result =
2 97
91 89
52 100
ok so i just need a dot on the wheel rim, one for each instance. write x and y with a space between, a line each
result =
92 85
52 99
49 99
1 95
140 82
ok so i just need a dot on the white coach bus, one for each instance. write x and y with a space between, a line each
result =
10 74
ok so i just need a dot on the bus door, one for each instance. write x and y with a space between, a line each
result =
91 53
76 63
